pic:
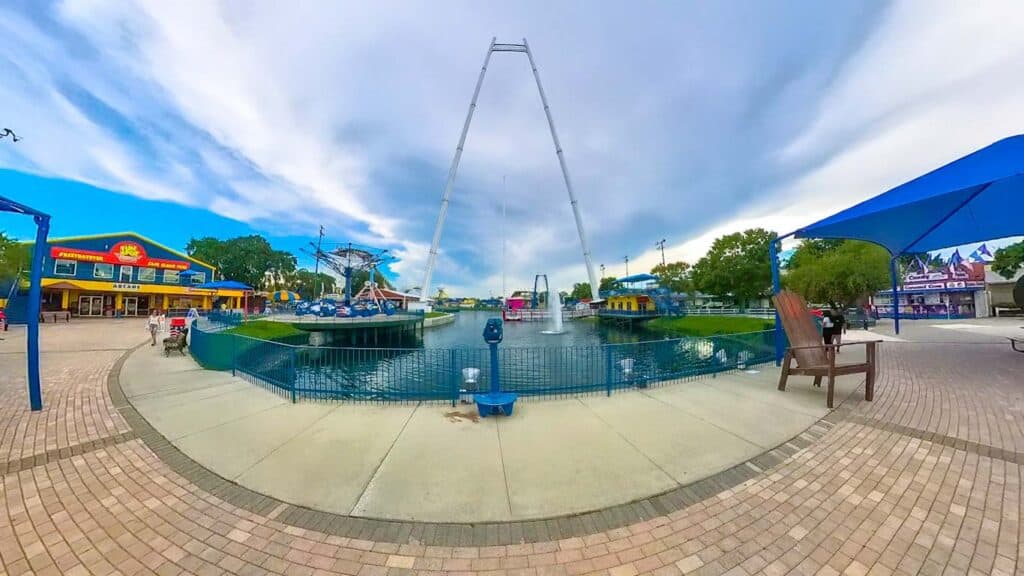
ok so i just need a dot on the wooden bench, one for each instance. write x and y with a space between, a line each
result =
177 342
495 402
813 357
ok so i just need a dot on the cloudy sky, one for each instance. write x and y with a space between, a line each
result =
679 120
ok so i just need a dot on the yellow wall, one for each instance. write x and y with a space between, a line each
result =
629 303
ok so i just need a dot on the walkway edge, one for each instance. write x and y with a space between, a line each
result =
464 534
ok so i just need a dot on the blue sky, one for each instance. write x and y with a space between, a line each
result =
679 120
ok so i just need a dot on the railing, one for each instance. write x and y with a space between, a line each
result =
616 313
723 311
423 374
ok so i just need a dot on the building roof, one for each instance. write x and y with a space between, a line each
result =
132 234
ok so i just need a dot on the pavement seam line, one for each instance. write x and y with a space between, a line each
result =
631 445
504 471
696 417
376 470
293 437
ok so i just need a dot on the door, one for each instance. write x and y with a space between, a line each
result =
90 305
131 306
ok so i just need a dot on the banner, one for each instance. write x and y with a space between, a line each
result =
127 253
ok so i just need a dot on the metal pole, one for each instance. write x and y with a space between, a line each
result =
661 244
35 393
316 269
627 265
773 253
893 270
432 256
565 174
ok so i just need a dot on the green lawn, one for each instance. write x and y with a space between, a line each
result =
435 314
708 325
266 330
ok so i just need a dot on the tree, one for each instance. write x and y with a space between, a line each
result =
247 259
736 264
580 290
607 283
310 285
15 257
1008 260
843 274
675 276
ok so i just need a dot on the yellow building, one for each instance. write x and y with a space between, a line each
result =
630 303
125 273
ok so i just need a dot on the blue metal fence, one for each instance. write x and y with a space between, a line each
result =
415 374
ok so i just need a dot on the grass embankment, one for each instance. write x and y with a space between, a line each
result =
435 314
266 330
708 325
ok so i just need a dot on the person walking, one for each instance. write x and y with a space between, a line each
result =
153 325
827 327
838 326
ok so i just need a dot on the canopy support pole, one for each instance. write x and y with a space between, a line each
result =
773 253
35 296
894 272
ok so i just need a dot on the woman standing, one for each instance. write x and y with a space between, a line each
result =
153 325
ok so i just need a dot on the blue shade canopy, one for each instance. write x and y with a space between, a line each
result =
637 278
224 285
975 198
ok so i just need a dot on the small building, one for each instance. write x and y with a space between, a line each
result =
125 274
954 291
632 296
400 300
1000 291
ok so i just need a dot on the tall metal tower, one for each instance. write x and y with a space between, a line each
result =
432 256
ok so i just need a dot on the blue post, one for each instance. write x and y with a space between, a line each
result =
773 252
895 294
608 368
35 393
495 384
291 370
454 377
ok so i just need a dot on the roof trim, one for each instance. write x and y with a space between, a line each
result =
133 234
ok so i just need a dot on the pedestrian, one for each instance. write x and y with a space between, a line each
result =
838 326
153 325
163 319
827 327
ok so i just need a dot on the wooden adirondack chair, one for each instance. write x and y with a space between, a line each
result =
813 356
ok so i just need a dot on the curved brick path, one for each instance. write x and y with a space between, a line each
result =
927 479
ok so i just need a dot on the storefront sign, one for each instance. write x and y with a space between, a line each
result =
126 287
127 252
966 275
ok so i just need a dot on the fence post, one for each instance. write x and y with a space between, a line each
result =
234 353
608 369
291 371
454 377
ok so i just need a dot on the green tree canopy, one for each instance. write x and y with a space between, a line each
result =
248 259
15 257
310 285
842 273
736 264
675 276
581 290
1008 260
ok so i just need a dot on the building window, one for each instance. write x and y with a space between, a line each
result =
170 276
147 275
103 271
65 267
199 277
126 274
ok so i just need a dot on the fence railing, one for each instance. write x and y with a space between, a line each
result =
415 374
716 311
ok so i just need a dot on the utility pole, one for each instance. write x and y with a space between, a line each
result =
316 269
661 244
627 265
602 271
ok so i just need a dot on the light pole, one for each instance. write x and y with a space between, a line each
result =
661 244
316 269
627 265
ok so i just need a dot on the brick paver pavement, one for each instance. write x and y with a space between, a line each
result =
926 479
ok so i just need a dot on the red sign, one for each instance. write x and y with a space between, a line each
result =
127 252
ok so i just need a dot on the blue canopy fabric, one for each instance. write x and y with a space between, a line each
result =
968 200
637 278
224 285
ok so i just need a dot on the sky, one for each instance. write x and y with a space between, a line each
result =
678 120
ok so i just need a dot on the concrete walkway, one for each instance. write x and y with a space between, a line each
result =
431 462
